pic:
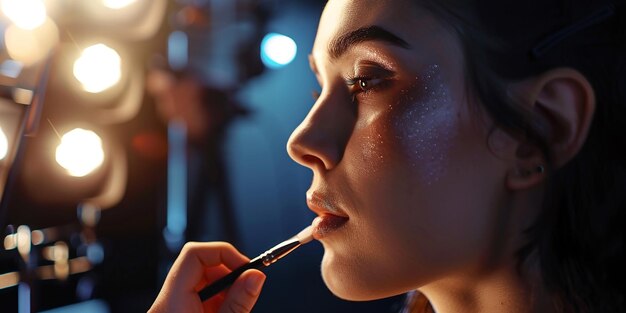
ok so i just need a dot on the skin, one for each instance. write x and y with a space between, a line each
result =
434 201
431 205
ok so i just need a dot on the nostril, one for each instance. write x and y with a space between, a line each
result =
312 161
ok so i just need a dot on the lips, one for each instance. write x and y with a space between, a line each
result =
325 224
329 219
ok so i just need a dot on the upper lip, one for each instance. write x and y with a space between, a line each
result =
322 204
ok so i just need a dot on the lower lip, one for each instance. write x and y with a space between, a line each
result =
326 224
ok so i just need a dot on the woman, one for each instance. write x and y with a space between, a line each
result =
467 153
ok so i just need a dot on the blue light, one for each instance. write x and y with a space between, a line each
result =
95 253
178 50
277 50
174 232
23 298
92 306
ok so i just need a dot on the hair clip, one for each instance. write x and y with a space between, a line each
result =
598 16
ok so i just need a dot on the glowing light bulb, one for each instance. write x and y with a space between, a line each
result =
26 14
80 152
117 4
23 241
98 68
277 50
31 46
4 144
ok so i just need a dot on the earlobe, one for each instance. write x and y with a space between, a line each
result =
529 169
520 178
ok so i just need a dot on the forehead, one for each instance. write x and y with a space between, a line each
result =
401 17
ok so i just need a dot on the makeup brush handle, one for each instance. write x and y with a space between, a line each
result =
223 283
264 260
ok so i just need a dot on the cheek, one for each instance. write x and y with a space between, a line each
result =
415 128
424 125
373 149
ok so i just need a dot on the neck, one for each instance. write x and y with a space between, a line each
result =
496 286
503 290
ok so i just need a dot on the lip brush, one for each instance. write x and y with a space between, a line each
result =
264 260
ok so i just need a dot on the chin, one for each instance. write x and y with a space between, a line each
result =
344 283
346 291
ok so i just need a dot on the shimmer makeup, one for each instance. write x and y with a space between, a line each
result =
426 125
264 260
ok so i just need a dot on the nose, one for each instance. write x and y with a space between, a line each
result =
320 140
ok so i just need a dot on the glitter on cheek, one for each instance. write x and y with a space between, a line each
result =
424 126
373 151
369 148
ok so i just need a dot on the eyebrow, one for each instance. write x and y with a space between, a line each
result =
341 44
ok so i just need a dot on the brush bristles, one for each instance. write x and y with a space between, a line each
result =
306 235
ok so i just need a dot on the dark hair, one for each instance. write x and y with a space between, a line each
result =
578 237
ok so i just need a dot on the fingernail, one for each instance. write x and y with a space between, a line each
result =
254 283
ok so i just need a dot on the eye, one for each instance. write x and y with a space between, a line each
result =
368 77
363 84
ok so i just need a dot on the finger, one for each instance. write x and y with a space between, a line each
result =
244 292
188 269
211 274
214 303
216 253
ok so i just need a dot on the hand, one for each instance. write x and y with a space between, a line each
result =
199 264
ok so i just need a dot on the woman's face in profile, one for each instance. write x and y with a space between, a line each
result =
396 148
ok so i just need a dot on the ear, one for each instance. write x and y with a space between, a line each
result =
563 101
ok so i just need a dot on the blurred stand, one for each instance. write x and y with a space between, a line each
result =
204 114
212 50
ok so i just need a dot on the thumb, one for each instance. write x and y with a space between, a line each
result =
243 294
